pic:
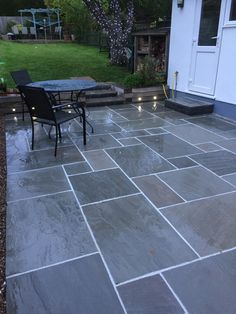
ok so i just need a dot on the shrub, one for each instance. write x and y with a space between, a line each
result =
134 80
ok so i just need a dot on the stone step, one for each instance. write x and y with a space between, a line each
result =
102 93
189 105
105 101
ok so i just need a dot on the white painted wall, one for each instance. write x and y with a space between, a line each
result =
181 49
226 78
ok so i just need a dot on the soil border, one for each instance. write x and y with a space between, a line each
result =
3 171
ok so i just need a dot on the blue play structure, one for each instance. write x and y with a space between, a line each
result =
47 20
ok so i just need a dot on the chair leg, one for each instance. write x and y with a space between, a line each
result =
92 129
84 125
32 143
55 152
23 111
59 131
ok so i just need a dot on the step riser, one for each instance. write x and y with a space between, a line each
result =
204 109
101 95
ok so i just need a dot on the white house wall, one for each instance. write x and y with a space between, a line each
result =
226 78
181 39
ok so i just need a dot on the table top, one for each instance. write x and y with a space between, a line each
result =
64 85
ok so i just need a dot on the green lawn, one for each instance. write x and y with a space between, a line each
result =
57 61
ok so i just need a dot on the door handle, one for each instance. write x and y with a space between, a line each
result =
214 37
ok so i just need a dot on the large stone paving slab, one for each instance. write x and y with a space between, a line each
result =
78 167
228 144
45 230
134 114
36 183
231 178
134 238
153 107
194 183
139 160
207 286
105 128
221 162
157 191
149 295
193 134
80 286
214 124
208 225
143 124
101 185
99 160
97 142
125 134
44 158
173 117
168 145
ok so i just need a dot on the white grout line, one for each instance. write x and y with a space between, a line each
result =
110 199
174 293
161 271
97 246
51 265
38 196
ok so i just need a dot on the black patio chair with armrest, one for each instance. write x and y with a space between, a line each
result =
21 78
42 111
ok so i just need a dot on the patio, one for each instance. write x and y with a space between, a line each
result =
141 220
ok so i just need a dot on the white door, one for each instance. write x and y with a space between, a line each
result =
206 45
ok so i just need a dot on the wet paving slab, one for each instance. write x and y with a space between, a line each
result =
140 220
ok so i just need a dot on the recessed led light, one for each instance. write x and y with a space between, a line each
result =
155 97
140 99
13 109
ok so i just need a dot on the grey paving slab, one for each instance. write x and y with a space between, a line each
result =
208 286
43 158
153 107
149 295
134 114
231 178
209 147
139 160
134 239
78 167
101 185
16 142
36 183
228 144
129 141
143 124
125 134
157 191
80 286
229 134
105 116
173 117
208 225
157 131
42 141
168 145
45 230
97 142
212 123
193 133
99 160
221 162
182 162
105 128
121 107
194 183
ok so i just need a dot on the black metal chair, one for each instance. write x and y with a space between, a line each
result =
42 111
21 78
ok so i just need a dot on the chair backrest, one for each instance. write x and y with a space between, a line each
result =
38 103
15 30
24 30
21 77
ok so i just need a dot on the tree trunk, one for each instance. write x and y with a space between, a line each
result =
117 49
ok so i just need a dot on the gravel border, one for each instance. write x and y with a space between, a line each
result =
2 214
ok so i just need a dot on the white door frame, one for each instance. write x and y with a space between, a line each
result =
212 51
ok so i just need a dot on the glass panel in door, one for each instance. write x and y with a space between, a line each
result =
210 15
